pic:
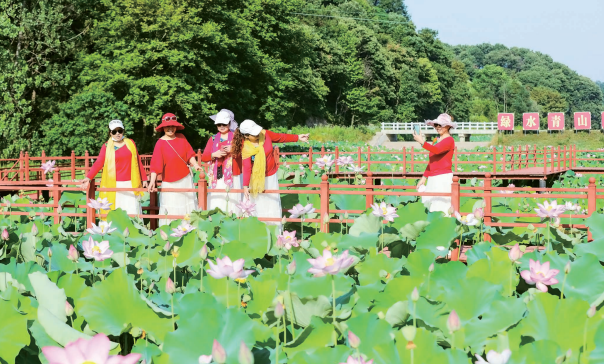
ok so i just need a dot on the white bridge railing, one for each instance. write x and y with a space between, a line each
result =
462 128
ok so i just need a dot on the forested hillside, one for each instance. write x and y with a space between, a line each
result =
68 67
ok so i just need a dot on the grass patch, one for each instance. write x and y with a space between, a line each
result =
581 140
331 133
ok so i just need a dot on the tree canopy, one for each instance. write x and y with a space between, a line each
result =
68 67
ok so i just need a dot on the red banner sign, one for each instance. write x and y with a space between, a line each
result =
555 121
505 121
582 120
530 121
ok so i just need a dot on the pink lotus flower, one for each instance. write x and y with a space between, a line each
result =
578 175
246 207
494 357
540 275
508 192
68 309
99 204
329 264
548 210
5 235
170 287
287 240
183 229
225 268
479 213
300 210
386 252
218 353
453 322
279 310
73 254
245 354
83 351
345 161
97 251
356 169
515 254
353 340
104 228
325 161
468 220
387 212
569 206
360 360
48 166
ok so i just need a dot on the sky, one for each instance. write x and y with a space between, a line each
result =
570 31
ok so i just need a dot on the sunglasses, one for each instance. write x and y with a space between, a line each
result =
437 125
170 118
116 131
222 125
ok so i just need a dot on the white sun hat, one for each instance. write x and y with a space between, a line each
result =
225 116
115 124
443 120
250 127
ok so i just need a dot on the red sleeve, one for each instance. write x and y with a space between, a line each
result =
141 168
247 171
157 160
98 164
281 138
207 152
188 148
444 146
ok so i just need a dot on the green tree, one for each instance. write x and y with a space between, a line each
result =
548 100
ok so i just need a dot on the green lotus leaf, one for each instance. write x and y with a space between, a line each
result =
596 355
147 350
369 269
437 236
228 326
360 244
410 214
397 289
413 230
585 280
478 252
373 332
497 269
470 297
337 354
13 332
19 273
349 202
264 289
443 277
366 223
112 313
542 351
418 262
316 335
250 231
503 314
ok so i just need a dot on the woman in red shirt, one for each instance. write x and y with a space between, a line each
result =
170 156
438 172
255 146
122 168
224 170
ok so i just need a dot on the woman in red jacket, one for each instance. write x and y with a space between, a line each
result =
255 146
122 168
224 170
438 172
170 156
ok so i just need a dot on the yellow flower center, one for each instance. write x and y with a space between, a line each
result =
549 208
183 228
464 219
329 261
240 280
96 249
384 210
102 228
88 362
288 238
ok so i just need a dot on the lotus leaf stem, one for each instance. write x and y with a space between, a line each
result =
201 277
291 310
239 298
172 308
459 245
333 292
227 292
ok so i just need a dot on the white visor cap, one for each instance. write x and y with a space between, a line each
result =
115 124
223 117
250 127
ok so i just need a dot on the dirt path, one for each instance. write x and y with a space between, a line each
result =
459 145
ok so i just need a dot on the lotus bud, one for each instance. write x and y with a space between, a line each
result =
163 235
415 295
346 215
409 332
431 268
210 218
326 218
68 309
167 246
453 323
34 230
560 359
514 254
591 312
291 268
569 353
567 267
152 285
283 220
279 310
170 288
479 213
126 233
49 253
451 210
203 253
218 353
73 254
353 340
381 315
227 189
245 354
42 216
5 234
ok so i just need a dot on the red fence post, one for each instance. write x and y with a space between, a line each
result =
544 161
73 165
368 196
495 159
310 158
487 204
324 216
505 159
412 159
90 212
21 165
202 192
56 194
41 173
26 165
591 196
455 204
87 162
337 157
551 156
360 158
368 158
404 161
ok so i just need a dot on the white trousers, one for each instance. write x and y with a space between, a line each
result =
177 203
269 204
127 200
226 202
440 184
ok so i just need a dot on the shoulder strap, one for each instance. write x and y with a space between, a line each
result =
187 164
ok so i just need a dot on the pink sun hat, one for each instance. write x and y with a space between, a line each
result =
442 119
